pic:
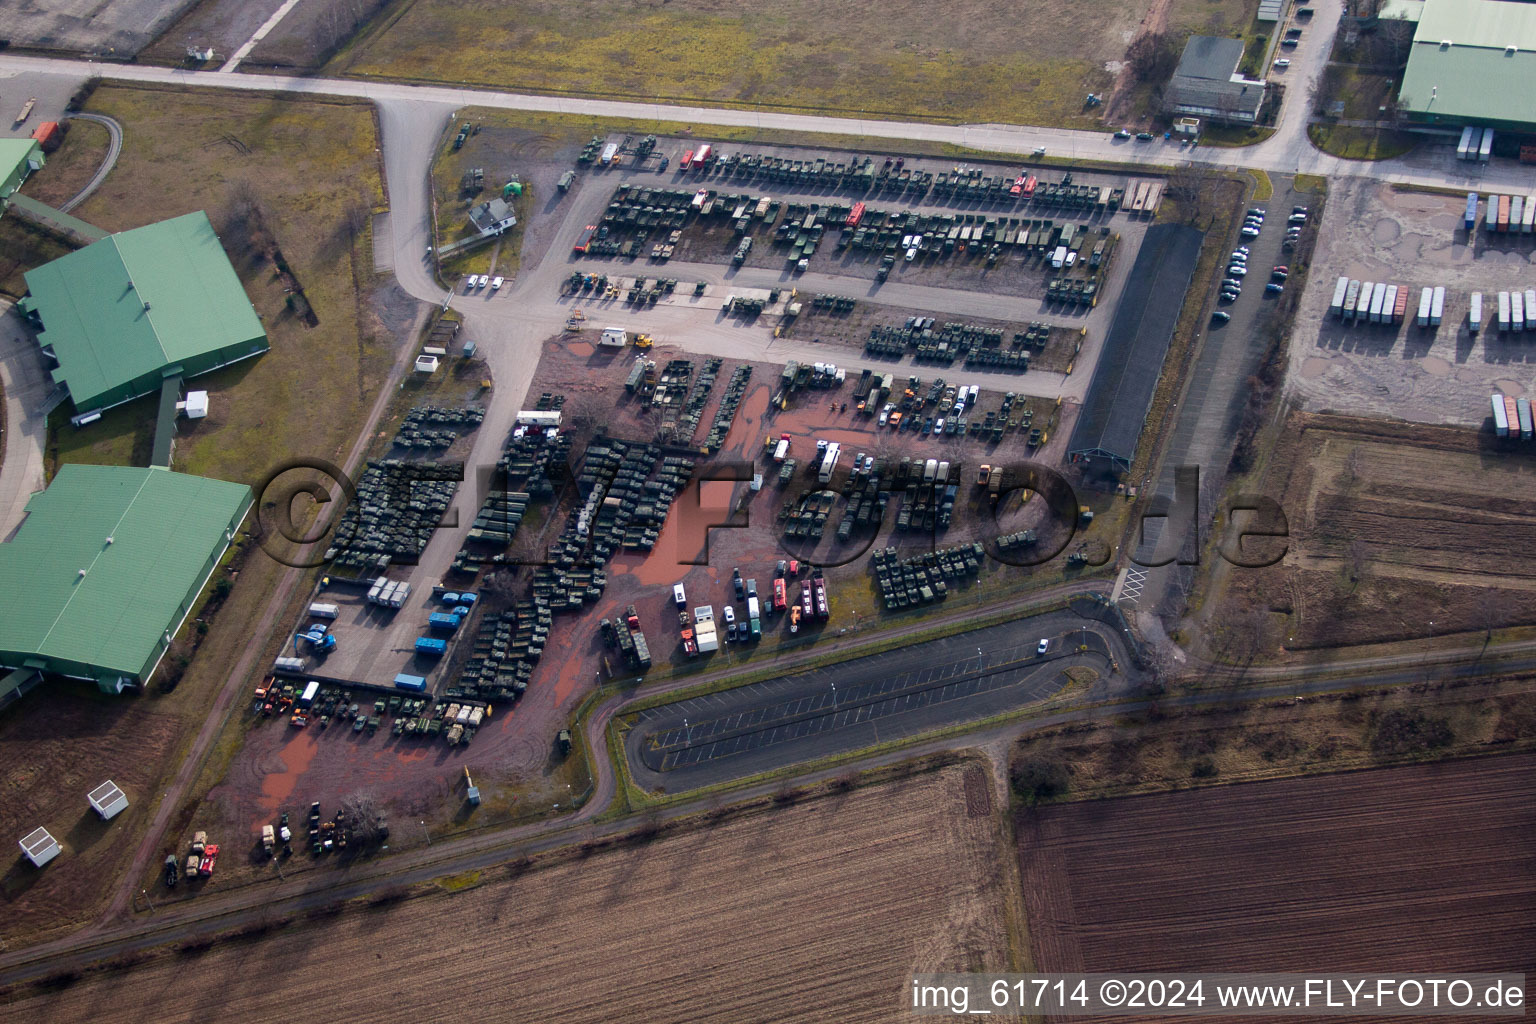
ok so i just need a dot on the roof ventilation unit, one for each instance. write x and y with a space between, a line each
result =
109 540
1445 44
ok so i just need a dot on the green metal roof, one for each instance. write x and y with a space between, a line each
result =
165 529
1475 78
18 158
138 302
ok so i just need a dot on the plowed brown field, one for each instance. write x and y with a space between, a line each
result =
1417 869
816 912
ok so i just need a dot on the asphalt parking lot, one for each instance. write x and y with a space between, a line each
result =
725 736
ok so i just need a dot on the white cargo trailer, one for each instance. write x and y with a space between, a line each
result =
1500 417
1528 219
1530 304
1516 311
1437 309
1389 304
1485 151
1340 290
1363 306
1426 303
1378 296
1351 296
1503 311
1464 147
1475 313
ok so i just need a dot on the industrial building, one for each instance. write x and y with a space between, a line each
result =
106 566
18 158
1208 84
120 315
1125 379
1472 62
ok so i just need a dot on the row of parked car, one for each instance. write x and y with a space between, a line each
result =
474 281
1237 263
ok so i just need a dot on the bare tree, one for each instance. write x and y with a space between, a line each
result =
1359 559
366 818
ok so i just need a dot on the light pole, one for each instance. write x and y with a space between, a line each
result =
426 832
147 902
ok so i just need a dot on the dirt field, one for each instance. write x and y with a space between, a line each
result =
1375 233
809 913
1414 869
983 61
61 741
1397 530
71 167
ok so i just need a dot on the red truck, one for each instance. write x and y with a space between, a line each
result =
686 162
701 157
585 238
210 858
855 215
780 596
1029 186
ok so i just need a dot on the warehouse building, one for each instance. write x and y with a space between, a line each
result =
122 314
1472 62
1109 425
106 566
18 158
1208 84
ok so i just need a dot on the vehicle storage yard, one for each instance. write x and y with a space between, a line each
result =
1374 871
867 885
1374 232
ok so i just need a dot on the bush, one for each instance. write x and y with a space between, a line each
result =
1039 778
1204 768
1409 731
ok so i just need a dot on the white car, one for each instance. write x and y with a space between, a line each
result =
730 615
885 414
1283 62
469 283
497 282
1042 646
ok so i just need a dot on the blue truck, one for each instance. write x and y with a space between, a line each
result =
431 646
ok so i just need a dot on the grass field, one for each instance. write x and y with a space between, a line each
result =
1397 531
307 164
1401 870
979 62
1361 143
810 912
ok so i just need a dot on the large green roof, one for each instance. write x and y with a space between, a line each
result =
1473 60
167 531
136 303
16 159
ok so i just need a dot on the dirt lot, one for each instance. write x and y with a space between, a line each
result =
222 25
121 29
1289 875
1397 531
981 62
61 741
808 913
1373 232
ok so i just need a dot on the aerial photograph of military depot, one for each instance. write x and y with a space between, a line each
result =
708 511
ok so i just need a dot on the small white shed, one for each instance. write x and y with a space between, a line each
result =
614 337
196 405
108 800
39 847
426 364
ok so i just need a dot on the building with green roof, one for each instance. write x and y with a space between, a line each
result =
18 158
1472 62
123 313
107 565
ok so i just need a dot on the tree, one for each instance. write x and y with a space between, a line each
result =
366 819
1036 777
1153 56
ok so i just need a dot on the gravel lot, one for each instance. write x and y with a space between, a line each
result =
1445 375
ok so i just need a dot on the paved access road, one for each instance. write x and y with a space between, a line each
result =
854 704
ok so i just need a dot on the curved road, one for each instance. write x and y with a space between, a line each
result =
114 147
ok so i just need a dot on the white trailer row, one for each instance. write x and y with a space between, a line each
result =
1475 144
1517 310
1509 214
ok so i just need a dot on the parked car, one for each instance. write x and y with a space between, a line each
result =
1043 646
1220 317
497 282
1237 270
1144 136
1283 63
1282 270
1123 133
1274 288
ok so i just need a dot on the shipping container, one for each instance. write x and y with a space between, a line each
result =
1389 304
1464 147
1516 310
1503 311
1475 313
406 681
324 611
1523 406
1516 212
431 646
1491 214
1340 290
1528 219
1363 306
1485 151
1500 418
49 135
1470 220
1351 297
1530 304
1378 298
1426 302
443 622
1503 213
1512 415
1437 309
1400 305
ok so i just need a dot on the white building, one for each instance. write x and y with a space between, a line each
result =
39 847
492 217
108 800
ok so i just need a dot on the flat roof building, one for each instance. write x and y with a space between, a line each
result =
107 800
1207 82
123 313
18 158
39 847
1472 62
106 566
